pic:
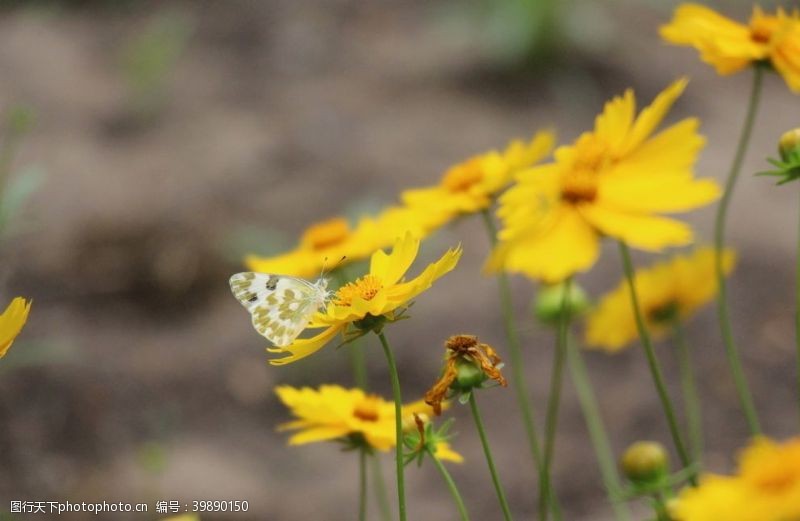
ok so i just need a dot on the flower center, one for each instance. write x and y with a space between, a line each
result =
762 28
365 288
464 176
665 312
367 409
326 234
579 184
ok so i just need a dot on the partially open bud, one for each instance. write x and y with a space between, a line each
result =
548 302
645 462
789 145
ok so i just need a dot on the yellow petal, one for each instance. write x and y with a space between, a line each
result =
320 433
390 268
445 453
614 123
11 322
650 117
647 232
551 252
652 194
400 294
303 347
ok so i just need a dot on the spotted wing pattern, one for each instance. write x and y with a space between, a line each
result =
281 307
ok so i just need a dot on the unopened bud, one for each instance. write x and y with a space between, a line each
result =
645 462
549 301
789 145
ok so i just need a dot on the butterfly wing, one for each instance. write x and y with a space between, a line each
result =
281 307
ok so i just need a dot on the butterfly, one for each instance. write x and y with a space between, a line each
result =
281 306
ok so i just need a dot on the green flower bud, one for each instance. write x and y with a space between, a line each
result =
547 304
789 145
645 462
469 375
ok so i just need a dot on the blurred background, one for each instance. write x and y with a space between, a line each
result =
153 143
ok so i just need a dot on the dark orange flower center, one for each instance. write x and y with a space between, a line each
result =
365 288
462 177
579 183
367 410
326 234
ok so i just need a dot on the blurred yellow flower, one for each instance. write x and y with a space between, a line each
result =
333 412
730 46
471 186
376 295
765 488
333 241
668 290
613 181
11 322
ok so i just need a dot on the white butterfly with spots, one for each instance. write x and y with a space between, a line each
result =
281 306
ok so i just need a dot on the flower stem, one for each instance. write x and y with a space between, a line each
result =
362 485
652 362
517 366
690 395
398 424
554 401
501 496
734 361
797 315
462 509
380 489
597 431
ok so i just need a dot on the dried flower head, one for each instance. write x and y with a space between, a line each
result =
468 364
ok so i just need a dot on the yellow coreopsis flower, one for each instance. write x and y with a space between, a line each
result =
333 413
614 181
471 186
333 241
765 488
730 46
11 322
667 291
374 297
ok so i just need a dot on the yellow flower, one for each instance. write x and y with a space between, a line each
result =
471 186
376 295
613 181
11 322
333 241
765 488
730 46
333 412
669 290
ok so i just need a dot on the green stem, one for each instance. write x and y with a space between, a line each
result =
501 496
731 352
517 366
652 362
362 485
797 315
597 431
380 489
398 424
660 506
691 397
554 401
462 509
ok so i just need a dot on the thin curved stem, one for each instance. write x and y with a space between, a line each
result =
362 485
487 451
398 423
554 400
797 314
597 431
723 311
691 397
451 485
517 366
652 362
380 489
